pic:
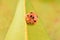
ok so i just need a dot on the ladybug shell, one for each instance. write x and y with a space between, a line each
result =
31 18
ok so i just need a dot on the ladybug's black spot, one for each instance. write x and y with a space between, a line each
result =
34 21
30 15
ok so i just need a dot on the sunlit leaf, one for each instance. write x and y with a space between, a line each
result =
37 31
17 27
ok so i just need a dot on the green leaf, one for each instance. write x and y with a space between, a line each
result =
17 27
37 31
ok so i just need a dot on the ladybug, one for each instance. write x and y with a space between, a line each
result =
31 18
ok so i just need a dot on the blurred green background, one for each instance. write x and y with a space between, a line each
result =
48 25
7 11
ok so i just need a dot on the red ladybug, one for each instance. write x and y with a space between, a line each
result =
31 18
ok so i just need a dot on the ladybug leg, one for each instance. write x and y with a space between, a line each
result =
27 15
